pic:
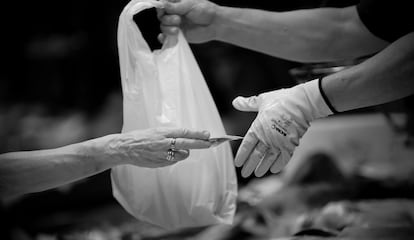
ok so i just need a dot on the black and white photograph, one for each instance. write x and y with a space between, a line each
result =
207 120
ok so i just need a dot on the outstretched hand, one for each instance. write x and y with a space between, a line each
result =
154 148
283 118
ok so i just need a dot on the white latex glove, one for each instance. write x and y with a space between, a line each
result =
284 116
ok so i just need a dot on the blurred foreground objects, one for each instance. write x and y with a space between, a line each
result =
319 201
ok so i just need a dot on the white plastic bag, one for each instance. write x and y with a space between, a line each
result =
166 88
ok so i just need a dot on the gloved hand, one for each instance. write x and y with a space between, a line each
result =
284 116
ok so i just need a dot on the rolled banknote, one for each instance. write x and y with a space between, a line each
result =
221 139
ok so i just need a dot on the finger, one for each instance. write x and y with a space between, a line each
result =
183 143
266 163
160 13
161 38
162 164
249 104
187 133
170 20
163 157
246 147
166 163
153 160
178 155
169 30
176 7
280 162
254 159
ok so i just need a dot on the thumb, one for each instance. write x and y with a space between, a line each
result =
249 104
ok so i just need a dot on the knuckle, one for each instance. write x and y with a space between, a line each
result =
160 131
176 19
172 19
160 14
179 143
262 147
169 18
165 142
166 28
184 132
165 18
169 8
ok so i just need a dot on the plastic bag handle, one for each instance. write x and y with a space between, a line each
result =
137 7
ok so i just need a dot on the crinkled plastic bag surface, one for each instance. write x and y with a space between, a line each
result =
165 88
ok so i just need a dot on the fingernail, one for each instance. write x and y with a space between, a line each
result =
161 38
244 173
236 164
235 101
274 170
259 173
206 133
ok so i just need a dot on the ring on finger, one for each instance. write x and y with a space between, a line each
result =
172 144
170 155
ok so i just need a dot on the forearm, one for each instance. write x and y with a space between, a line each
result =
314 35
34 171
385 77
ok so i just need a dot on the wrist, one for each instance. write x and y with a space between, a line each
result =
103 150
325 97
218 25
319 108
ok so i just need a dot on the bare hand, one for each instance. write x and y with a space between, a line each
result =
149 148
194 18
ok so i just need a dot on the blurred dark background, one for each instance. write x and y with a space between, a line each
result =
60 84
60 69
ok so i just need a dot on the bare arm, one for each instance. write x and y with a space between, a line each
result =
285 115
34 171
313 35
385 77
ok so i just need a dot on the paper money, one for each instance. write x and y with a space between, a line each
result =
219 140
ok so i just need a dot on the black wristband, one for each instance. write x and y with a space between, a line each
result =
325 98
